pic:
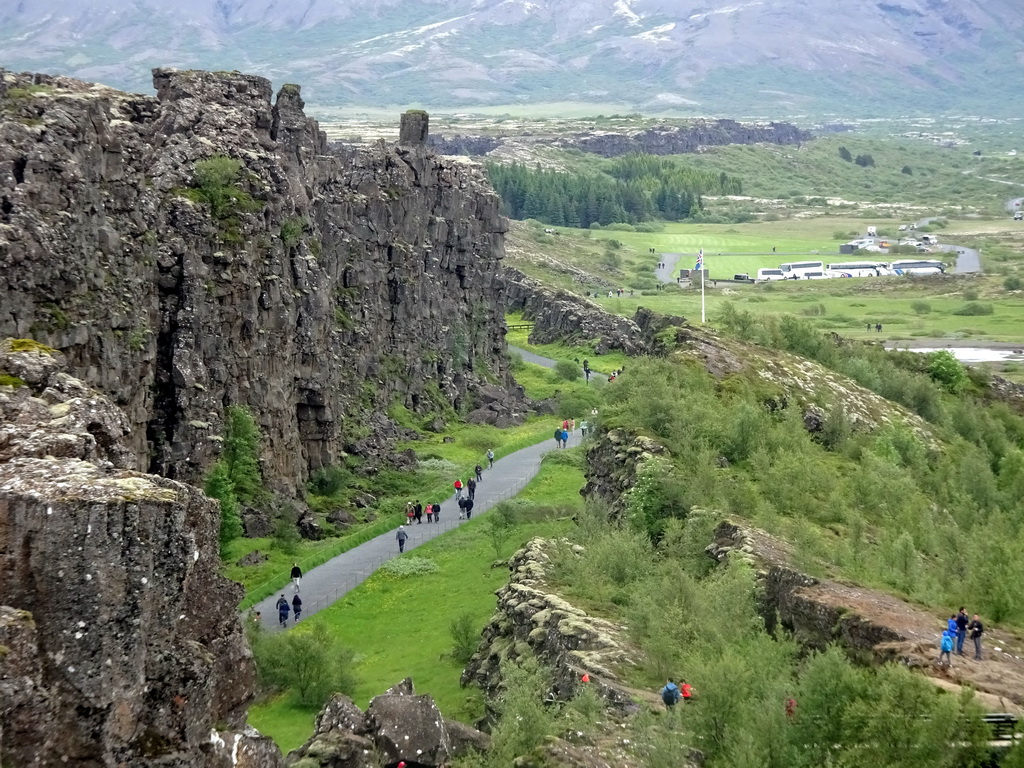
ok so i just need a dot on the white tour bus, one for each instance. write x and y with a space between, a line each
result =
794 270
917 267
766 274
858 269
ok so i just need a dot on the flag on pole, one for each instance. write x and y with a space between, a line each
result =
700 260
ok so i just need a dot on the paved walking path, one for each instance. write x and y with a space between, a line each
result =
326 583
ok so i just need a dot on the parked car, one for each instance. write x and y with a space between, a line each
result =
1018 215
903 227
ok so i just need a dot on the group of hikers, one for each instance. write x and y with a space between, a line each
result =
672 693
465 495
956 631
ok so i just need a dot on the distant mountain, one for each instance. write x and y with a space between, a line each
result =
766 57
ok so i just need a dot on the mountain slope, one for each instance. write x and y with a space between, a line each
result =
716 55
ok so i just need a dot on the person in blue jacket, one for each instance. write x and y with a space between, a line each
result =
948 638
670 694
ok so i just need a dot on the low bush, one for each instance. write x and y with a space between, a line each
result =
974 308
403 567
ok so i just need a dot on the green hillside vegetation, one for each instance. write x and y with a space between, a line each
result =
399 625
934 518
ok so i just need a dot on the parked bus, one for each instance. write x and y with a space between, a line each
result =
859 269
797 269
917 267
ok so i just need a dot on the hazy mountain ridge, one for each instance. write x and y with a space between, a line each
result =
818 55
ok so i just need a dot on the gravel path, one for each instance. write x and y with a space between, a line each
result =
327 583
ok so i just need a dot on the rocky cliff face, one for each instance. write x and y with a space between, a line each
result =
119 641
567 317
316 288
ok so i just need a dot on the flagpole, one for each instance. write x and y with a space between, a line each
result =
702 320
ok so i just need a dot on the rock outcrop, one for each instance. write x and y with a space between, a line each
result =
663 140
119 641
567 317
531 620
314 287
613 460
397 726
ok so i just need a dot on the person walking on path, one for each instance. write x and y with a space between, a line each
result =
468 508
584 426
670 694
977 630
401 536
490 458
430 513
282 611
479 472
961 630
565 438
410 512
437 512
296 576
462 509
458 488
297 607
418 509
558 437
947 648
471 487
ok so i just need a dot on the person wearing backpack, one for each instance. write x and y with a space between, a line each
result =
283 609
670 694
947 648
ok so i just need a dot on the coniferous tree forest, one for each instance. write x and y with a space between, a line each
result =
627 190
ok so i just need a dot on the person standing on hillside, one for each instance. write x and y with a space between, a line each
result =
282 611
951 624
490 458
687 692
296 576
947 647
401 536
977 630
961 630
471 488
297 607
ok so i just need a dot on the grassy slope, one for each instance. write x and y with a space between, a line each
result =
399 627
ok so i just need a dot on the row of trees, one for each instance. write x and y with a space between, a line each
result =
632 189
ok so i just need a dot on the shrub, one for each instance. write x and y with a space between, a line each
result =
219 486
1013 283
921 307
465 637
567 371
309 661
974 308
947 370
969 294
240 454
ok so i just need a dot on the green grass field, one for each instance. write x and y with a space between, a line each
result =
906 307
399 627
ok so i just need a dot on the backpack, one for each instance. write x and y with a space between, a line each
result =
670 694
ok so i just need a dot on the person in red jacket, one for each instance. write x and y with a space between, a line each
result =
458 488
687 691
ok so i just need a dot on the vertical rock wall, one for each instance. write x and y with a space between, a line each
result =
357 279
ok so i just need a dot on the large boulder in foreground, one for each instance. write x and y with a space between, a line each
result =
121 644
398 726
